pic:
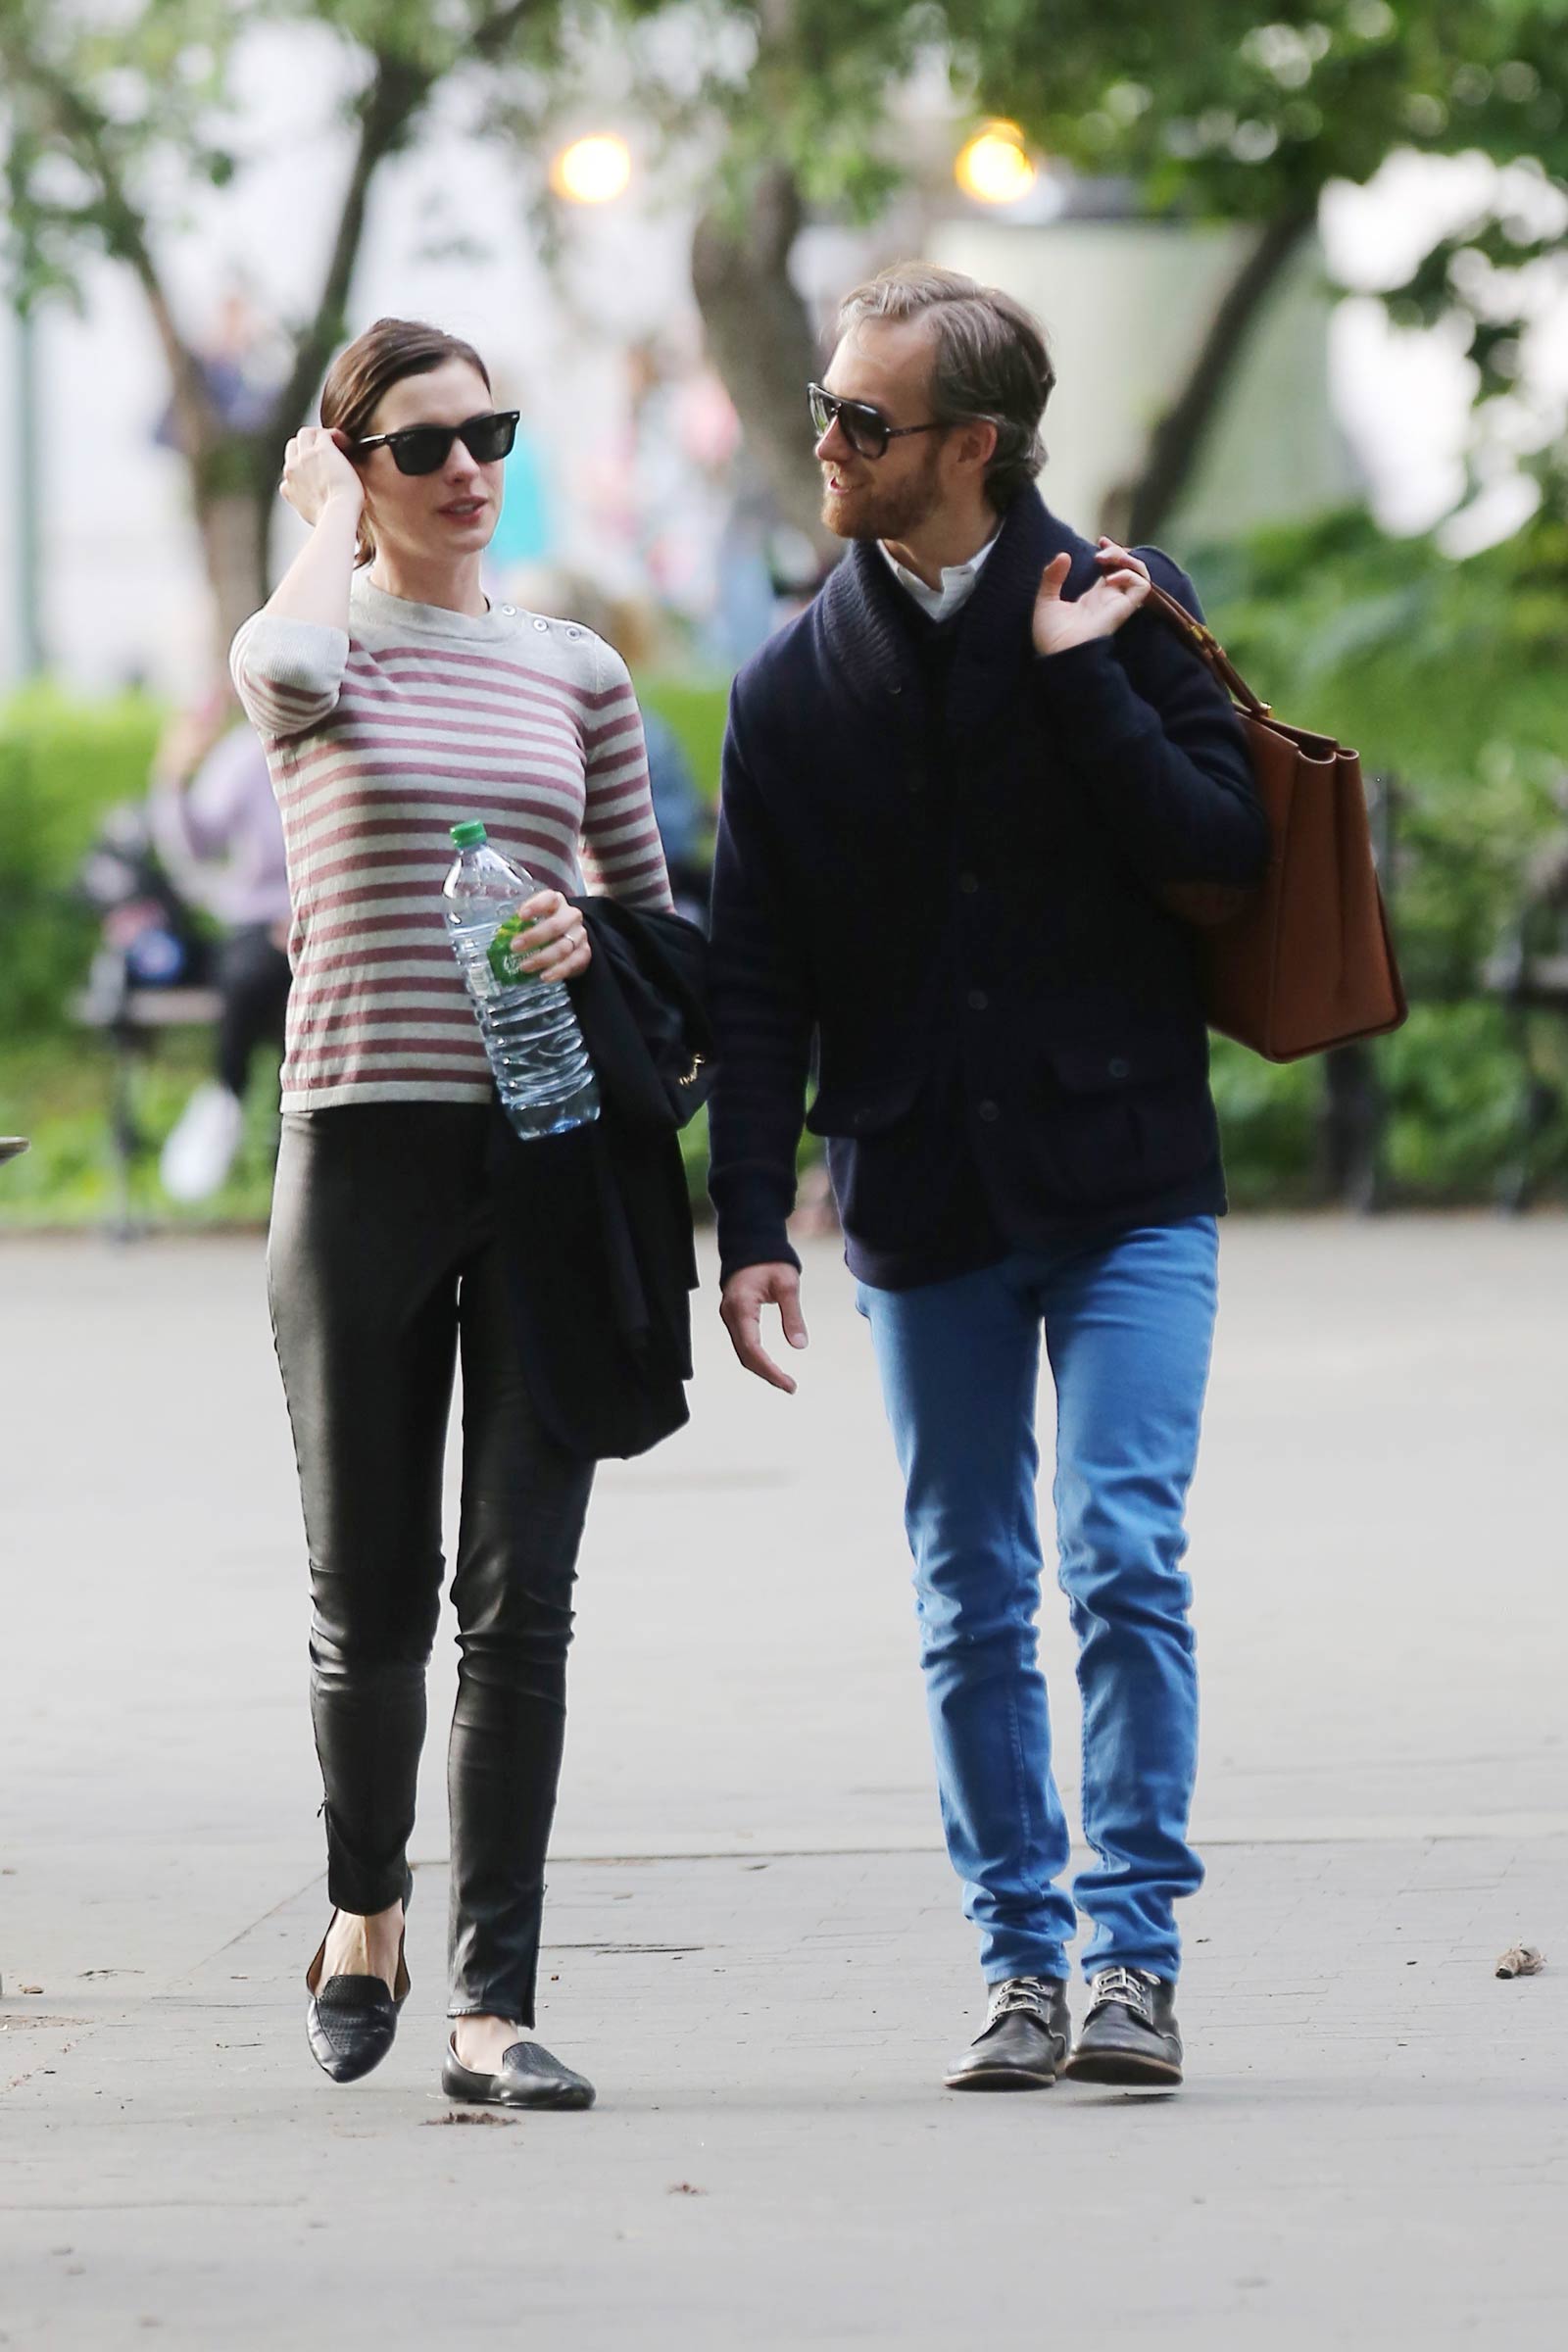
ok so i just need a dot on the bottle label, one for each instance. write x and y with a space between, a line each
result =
504 951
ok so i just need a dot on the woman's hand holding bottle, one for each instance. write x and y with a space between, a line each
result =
558 938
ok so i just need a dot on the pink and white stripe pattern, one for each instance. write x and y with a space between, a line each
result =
380 740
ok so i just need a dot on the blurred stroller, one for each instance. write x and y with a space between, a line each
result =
148 936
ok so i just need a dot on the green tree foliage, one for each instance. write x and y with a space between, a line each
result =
116 114
1243 112
1276 100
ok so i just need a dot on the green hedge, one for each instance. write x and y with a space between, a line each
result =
62 763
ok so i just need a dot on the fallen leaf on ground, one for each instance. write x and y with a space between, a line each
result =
685 2188
461 2115
1519 1960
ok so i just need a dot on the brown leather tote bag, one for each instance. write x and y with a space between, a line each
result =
1306 960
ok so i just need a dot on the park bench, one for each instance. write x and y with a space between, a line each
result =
131 1019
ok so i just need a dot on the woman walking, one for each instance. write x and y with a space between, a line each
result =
395 701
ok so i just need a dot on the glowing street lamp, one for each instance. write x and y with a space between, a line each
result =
592 171
994 167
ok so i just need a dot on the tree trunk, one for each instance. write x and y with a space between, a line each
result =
761 339
233 516
1137 511
236 566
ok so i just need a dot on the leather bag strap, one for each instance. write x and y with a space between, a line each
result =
1206 646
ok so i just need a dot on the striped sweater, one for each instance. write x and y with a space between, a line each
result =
380 740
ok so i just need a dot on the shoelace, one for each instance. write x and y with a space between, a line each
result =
1122 1985
1030 1996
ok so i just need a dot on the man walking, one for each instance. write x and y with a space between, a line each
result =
956 790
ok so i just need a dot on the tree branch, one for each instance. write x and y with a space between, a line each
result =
759 338
1137 510
89 137
394 96
491 37
397 90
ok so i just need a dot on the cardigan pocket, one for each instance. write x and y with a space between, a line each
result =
1086 1067
869 1106
889 1171
1121 1119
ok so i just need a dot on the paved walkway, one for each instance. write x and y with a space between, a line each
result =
753 1938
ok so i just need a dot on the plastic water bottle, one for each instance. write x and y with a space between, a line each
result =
542 1070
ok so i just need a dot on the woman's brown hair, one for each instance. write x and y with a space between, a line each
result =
360 377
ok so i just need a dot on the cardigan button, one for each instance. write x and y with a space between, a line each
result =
978 1000
990 1112
1118 1067
968 884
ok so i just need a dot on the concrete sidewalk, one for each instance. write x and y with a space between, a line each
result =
753 1940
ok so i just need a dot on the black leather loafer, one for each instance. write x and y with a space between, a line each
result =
529 2077
351 2022
1129 2037
1024 2040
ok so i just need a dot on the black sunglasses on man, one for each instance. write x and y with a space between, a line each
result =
866 429
425 447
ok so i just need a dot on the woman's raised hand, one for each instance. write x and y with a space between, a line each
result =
316 468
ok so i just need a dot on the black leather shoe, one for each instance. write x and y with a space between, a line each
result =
351 2022
529 2077
1129 2035
1024 2040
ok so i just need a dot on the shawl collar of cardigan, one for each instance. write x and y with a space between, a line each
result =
870 646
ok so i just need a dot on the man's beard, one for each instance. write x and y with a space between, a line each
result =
893 513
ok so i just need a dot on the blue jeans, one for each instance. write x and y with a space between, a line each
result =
1128 1320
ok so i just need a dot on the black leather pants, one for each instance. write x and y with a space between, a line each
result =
382 1268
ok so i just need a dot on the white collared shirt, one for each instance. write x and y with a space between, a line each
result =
957 582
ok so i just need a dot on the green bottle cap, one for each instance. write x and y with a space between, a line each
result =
466 835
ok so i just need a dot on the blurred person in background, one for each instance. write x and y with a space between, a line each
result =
216 829
394 700
242 359
953 793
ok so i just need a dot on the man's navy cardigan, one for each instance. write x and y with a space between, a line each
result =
951 901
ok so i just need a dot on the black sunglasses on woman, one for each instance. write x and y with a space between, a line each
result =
425 447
